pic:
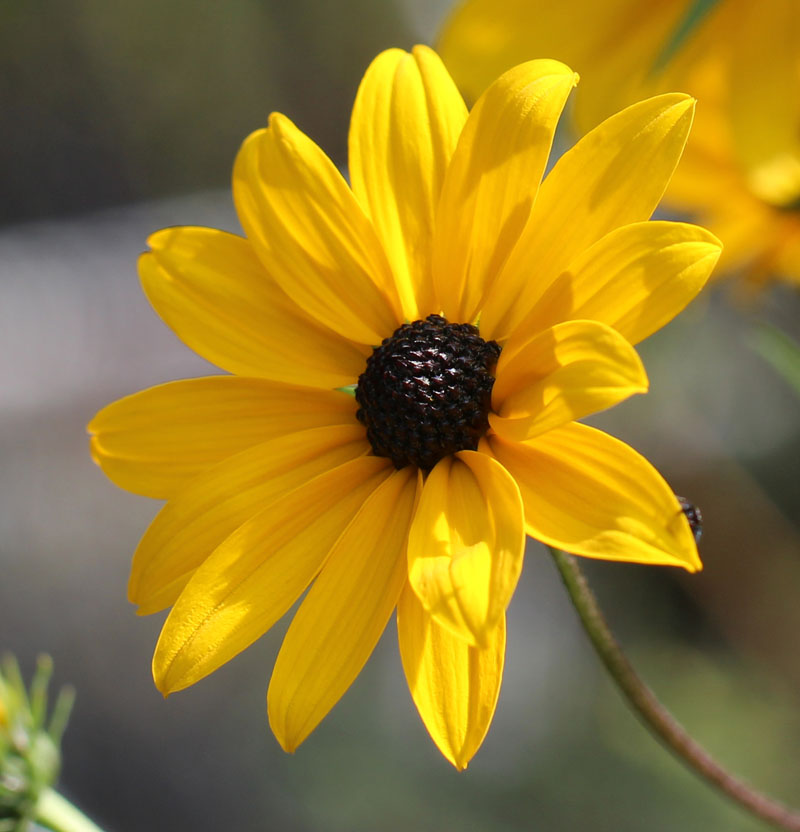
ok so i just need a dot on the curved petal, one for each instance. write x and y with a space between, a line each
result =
212 506
466 545
492 181
635 279
615 175
312 235
564 373
592 495
406 120
454 685
154 442
209 287
258 572
341 619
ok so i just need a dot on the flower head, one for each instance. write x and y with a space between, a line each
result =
741 171
478 313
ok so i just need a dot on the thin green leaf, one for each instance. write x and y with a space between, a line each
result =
780 351
38 695
61 713
692 18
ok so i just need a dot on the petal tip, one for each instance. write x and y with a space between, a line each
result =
166 686
713 249
695 565
554 67
460 758
91 426
94 451
145 604
277 123
677 103
162 669
685 103
160 683
145 257
288 743
152 241
285 744
422 49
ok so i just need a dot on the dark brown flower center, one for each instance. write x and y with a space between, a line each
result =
426 392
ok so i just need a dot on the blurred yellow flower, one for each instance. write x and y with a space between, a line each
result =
740 174
503 310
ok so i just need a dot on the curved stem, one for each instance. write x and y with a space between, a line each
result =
657 718
57 813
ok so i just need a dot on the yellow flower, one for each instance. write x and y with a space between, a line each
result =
417 492
740 59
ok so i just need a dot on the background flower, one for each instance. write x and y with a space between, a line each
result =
741 170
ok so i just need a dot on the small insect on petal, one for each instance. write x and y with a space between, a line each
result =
694 516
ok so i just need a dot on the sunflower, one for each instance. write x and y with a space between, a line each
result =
408 355
741 60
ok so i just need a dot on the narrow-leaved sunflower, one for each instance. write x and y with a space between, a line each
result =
408 355
741 60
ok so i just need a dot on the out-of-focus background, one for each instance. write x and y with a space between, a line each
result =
121 118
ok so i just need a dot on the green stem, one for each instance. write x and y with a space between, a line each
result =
655 716
57 813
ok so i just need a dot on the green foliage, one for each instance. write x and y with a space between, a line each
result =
692 18
29 742
780 351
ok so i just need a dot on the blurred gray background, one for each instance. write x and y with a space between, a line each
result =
121 118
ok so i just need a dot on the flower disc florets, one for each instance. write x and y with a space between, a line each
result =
426 392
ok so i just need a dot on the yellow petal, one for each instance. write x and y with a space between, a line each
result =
492 181
339 623
312 235
258 572
787 263
155 441
615 175
454 685
212 506
613 44
563 373
765 98
406 121
590 494
346 610
211 289
708 171
636 279
466 545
